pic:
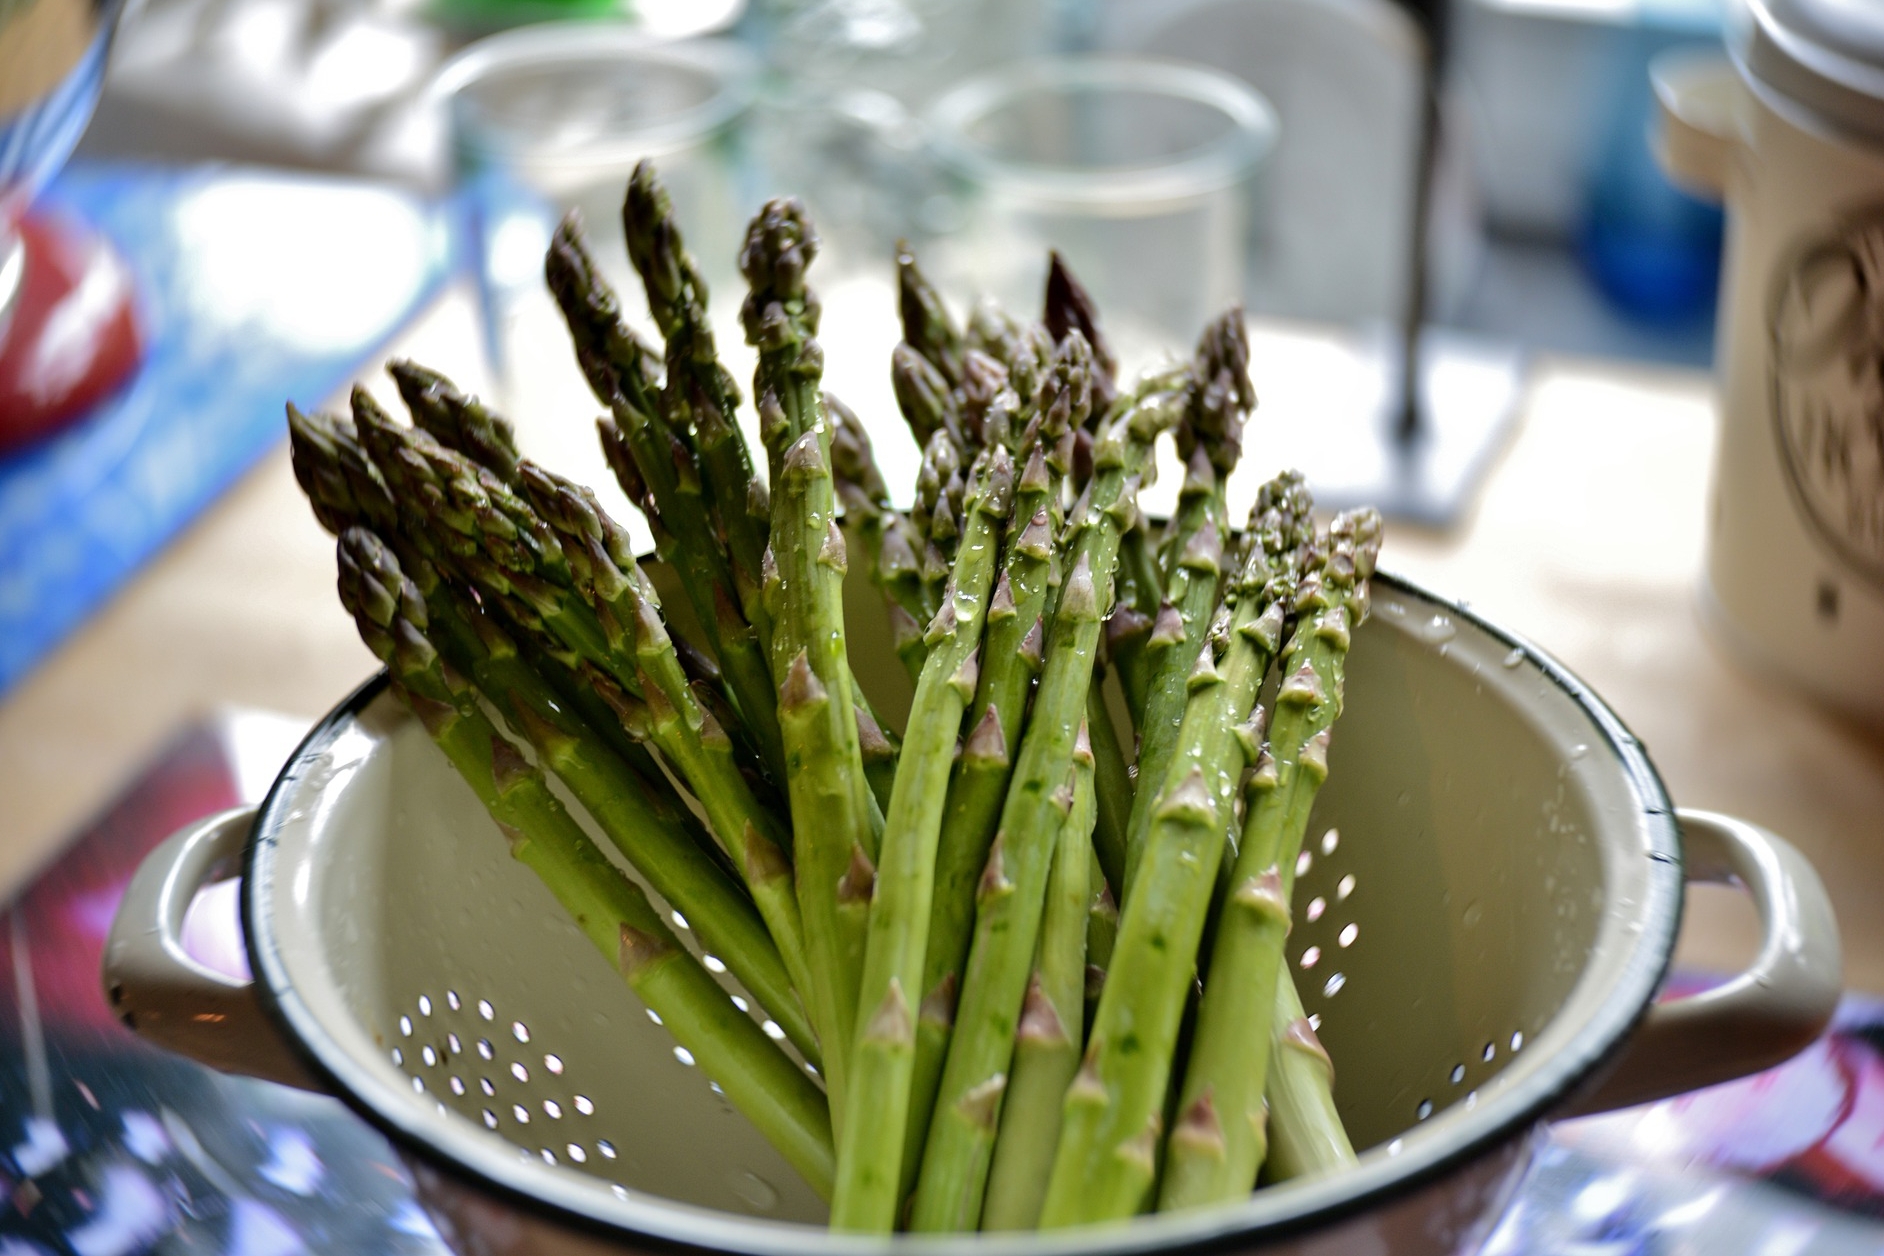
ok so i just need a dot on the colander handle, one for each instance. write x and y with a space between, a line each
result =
1764 1016
163 993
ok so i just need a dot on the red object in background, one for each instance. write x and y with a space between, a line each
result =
73 334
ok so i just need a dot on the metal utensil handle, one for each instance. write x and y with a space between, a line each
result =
1764 1016
164 994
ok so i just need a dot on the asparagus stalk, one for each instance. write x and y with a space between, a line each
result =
610 909
889 541
687 733
871 1138
1306 1136
952 1181
1217 1147
1070 308
1114 1111
1046 1047
1211 435
927 327
1112 787
346 489
700 386
835 833
483 515
654 842
1012 659
660 471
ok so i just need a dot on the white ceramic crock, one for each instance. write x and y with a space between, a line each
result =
1790 133
1485 908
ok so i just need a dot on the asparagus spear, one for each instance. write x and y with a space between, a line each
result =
722 915
953 1176
1211 435
871 1140
834 830
436 486
701 387
1046 1047
345 489
923 395
457 421
1010 663
1217 1146
1114 1110
1305 1133
611 910
660 471
639 644
927 327
1070 308
890 542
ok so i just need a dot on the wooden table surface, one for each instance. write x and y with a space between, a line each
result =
1587 540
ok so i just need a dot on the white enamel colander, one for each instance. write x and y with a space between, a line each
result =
1485 906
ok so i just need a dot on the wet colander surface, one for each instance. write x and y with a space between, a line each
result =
1468 902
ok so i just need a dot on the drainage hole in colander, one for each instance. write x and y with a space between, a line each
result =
519 1072
549 1157
1517 1042
773 1031
621 1192
1457 1074
521 1113
520 1031
554 1063
1491 1049
486 1050
457 1086
1334 985
1349 932
398 1057
741 1004
1310 957
1329 841
429 1056
654 1016
425 1005
713 964
484 1084
1424 1110
451 1000
457 1047
576 1153
418 1085
486 1010
680 921
405 1026
1316 906
608 1151
684 1056
1303 862
585 1105
552 1110
1471 1100
490 1119
1314 1021
1344 888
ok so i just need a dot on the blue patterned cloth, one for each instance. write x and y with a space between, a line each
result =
254 288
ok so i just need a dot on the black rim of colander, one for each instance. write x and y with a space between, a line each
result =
648 1222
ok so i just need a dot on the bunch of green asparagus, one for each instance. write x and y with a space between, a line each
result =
1029 960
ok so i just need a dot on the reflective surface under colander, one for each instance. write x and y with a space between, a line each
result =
1486 900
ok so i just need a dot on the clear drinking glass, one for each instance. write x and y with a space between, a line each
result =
1142 173
546 119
